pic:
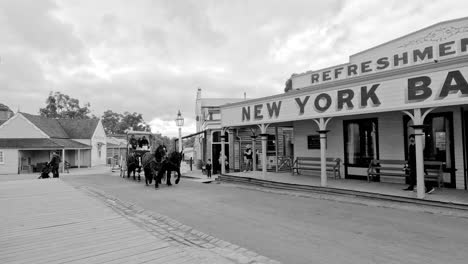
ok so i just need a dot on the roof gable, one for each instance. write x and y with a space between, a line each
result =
50 126
64 128
20 127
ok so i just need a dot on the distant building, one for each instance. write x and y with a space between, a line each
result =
27 142
208 142
116 149
188 153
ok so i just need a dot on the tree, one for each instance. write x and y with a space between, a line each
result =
60 105
115 123
159 139
134 121
188 142
111 122
288 85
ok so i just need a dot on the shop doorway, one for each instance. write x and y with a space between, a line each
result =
216 151
361 146
216 157
437 142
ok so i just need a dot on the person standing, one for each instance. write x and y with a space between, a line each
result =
412 168
208 168
248 158
55 164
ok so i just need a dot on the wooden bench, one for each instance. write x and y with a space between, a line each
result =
387 168
314 163
433 170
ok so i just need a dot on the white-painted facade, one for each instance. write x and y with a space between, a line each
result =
20 127
370 99
98 143
22 160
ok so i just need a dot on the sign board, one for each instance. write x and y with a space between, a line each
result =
438 42
441 88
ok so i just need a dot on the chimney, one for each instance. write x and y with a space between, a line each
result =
199 93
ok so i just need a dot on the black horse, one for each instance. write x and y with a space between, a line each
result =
152 165
134 165
172 163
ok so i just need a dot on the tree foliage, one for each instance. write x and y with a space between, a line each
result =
188 142
60 105
116 123
159 139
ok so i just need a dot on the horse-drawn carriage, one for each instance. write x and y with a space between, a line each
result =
144 157
138 143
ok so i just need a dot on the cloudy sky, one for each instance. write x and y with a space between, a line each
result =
150 56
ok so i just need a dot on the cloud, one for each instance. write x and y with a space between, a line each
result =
168 127
151 56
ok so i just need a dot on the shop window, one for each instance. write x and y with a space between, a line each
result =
99 149
2 158
313 142
271 143
437 138
361 142
217 137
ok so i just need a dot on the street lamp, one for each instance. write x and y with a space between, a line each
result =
180 122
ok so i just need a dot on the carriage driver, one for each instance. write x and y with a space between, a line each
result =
143 144
133 142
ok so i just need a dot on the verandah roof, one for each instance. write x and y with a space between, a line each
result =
41 143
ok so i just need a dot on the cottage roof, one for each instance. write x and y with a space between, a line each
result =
64 128
48 125
79 128
41 143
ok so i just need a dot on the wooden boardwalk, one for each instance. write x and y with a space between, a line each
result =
48 221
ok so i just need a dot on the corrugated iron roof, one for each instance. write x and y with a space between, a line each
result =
79 128
41 143
48 125
64 128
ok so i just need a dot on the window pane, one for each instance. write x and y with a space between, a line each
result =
271 143
361 144
216 136
353 144
437 136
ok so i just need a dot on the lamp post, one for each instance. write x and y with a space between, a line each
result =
180 122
